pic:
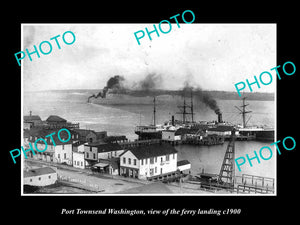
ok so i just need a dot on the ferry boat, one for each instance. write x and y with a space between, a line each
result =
260 133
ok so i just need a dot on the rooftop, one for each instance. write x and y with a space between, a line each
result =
149 151
54 118
109 147
105 147
31 118
221 128
41 133
38 171
183 162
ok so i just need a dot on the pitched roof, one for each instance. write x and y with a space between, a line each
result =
181 131
115 138
31 118
54 118
105 147
42 133
109 147
148 151
38 171
183 162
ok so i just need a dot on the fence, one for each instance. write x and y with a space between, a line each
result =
80 183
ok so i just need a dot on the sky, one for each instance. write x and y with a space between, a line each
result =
210 56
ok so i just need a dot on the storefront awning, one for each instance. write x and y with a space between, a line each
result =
101 165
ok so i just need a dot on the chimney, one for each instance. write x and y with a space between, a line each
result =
220 118
173 121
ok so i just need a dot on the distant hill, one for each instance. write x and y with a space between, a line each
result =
229 95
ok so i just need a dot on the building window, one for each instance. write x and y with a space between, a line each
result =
30 180
146 161
94 155
174 156
81 163
65 155
90 149
161 159
87 155
49 176
151 160
142 161
124 160
58 156
129 161
63 147
167 157
151 172
156 159
160 170
134 162
155 169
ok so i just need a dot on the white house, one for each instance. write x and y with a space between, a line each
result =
148 161
220 130
57 151
78 155
96 151
170 135
40 176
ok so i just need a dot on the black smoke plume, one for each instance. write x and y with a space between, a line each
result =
146 86
202 96
114 83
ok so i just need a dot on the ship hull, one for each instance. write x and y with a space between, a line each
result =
265 135
259 134
149 135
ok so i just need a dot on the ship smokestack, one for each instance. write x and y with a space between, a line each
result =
220 117
173 120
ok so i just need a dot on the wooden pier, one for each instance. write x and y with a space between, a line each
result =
254 184
245 184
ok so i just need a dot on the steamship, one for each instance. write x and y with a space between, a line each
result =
259 133
154 131
112 97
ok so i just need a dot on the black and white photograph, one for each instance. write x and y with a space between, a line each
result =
137 112
154 117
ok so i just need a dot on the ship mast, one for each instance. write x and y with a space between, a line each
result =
154 112
243 111
184 109
192 106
